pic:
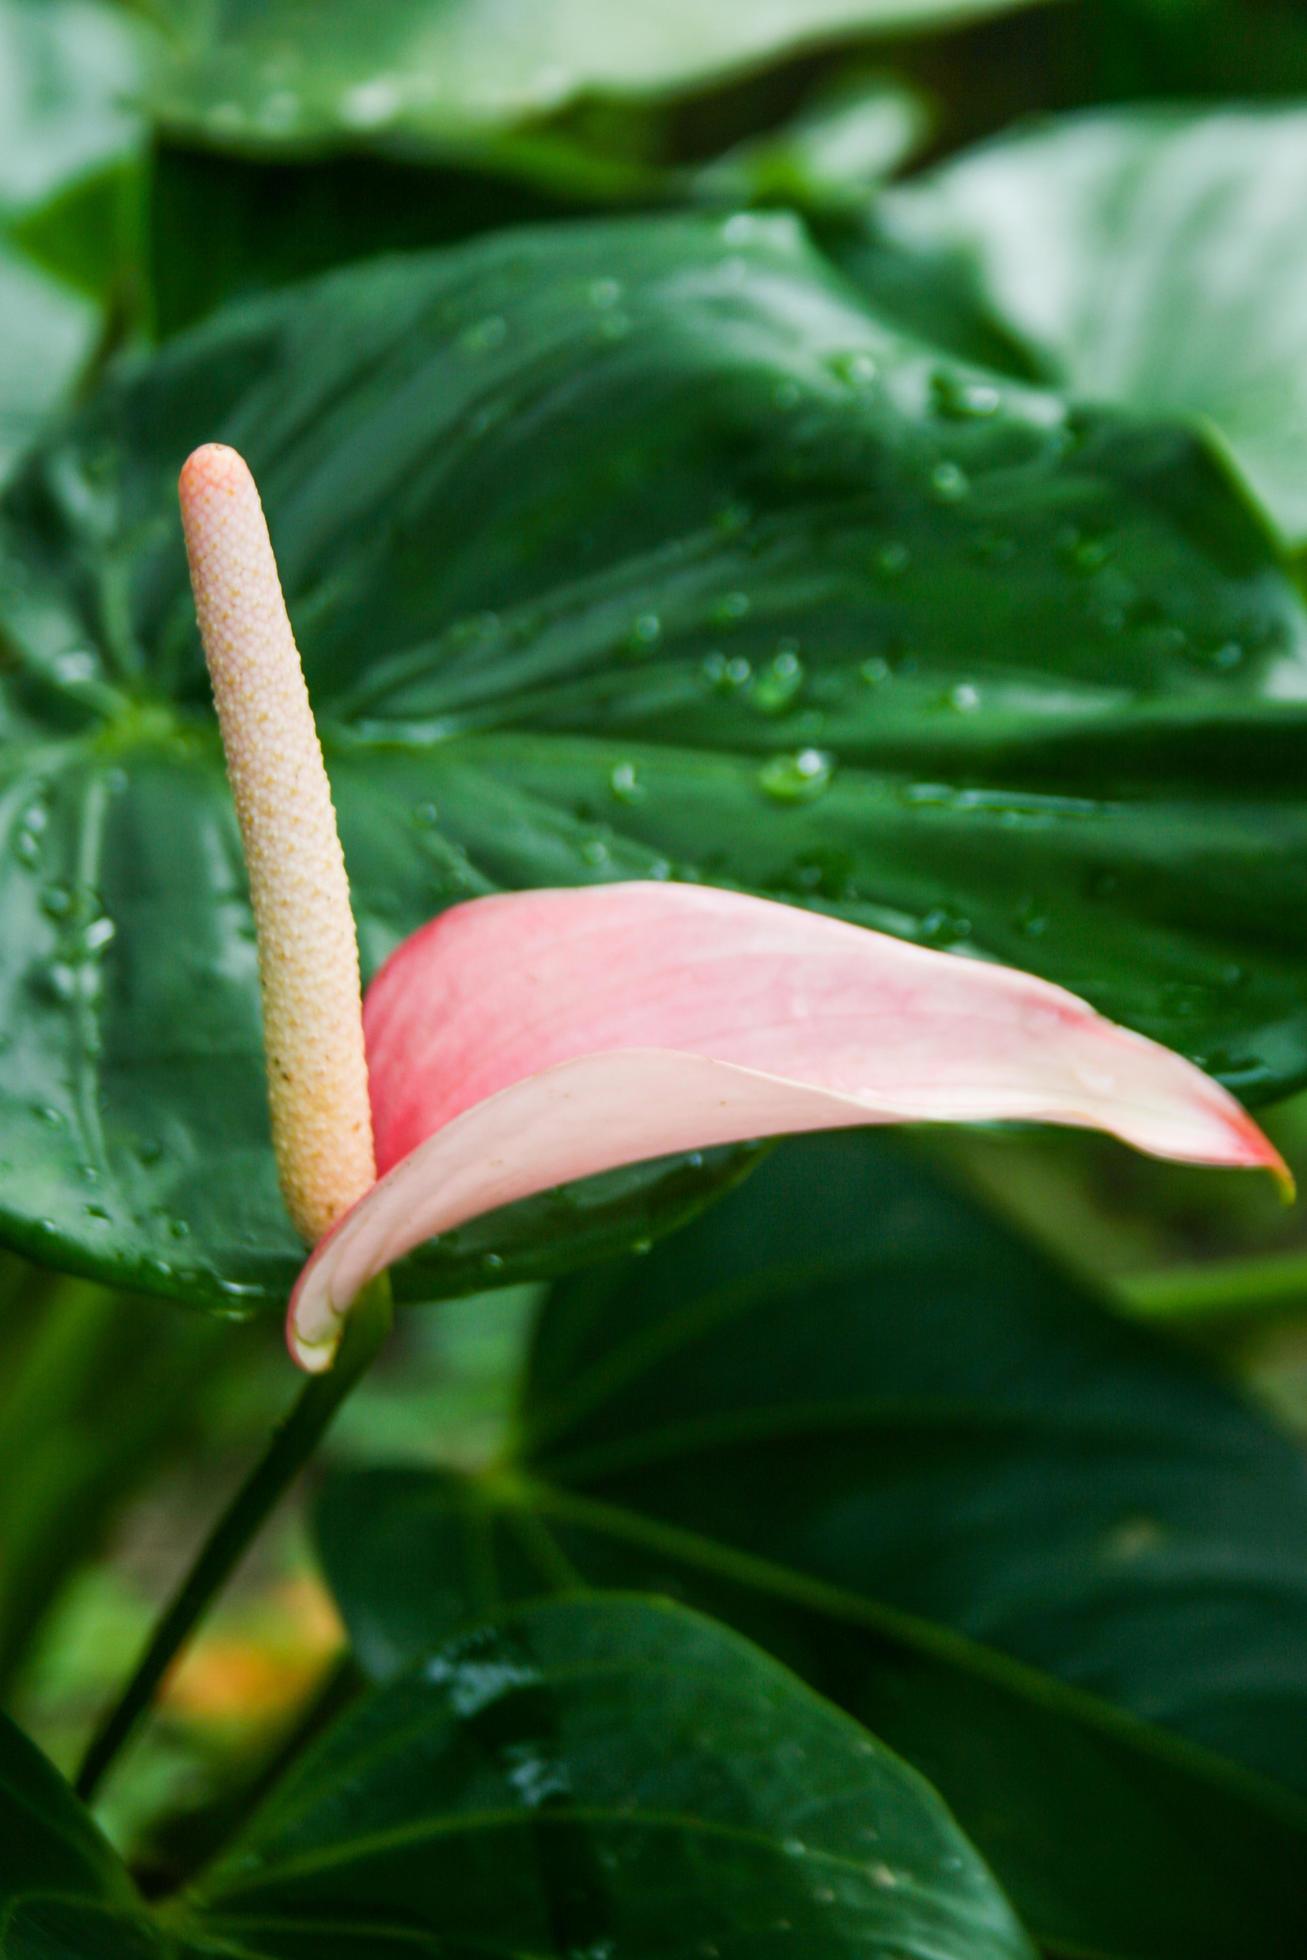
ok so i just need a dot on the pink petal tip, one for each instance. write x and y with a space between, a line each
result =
522 1041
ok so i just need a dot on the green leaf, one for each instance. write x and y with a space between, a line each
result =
48 1843
1037 1550
66 70
1146 257
434 75
619 551
592 1778
268 221
46 335
64 65
828 156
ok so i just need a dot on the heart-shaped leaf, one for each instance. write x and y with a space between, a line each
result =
628 550
594 1778
1148 257
1041 1552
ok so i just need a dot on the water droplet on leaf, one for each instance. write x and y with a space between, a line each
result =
797 778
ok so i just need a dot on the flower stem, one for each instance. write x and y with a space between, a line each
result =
290 1448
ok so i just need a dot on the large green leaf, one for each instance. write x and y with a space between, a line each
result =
1040 1552
68 69
269 220
287 75
65 69
626 550
1149 257
597 1781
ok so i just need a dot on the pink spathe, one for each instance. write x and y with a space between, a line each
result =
521 1041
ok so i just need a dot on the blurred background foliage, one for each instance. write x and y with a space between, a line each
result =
158 160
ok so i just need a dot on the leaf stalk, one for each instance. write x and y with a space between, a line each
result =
290 1448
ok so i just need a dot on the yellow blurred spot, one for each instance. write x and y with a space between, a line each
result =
264 1673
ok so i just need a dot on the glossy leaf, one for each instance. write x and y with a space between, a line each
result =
1152 258
620 551
611 1778
1049 1559
427 73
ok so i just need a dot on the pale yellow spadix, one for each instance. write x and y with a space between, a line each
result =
308 951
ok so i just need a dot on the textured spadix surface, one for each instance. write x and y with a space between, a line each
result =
525 1040
308 953
617 552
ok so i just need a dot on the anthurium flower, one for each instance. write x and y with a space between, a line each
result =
524 1040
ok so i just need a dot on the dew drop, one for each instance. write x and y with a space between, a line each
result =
77 664
730 609
97 935
963 400
948 483
61 982
891 559
726 676
942 927
371 103
646 631
855 367
779 683
624 782
29 834
485 335
797 778
1031 919
1083 551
